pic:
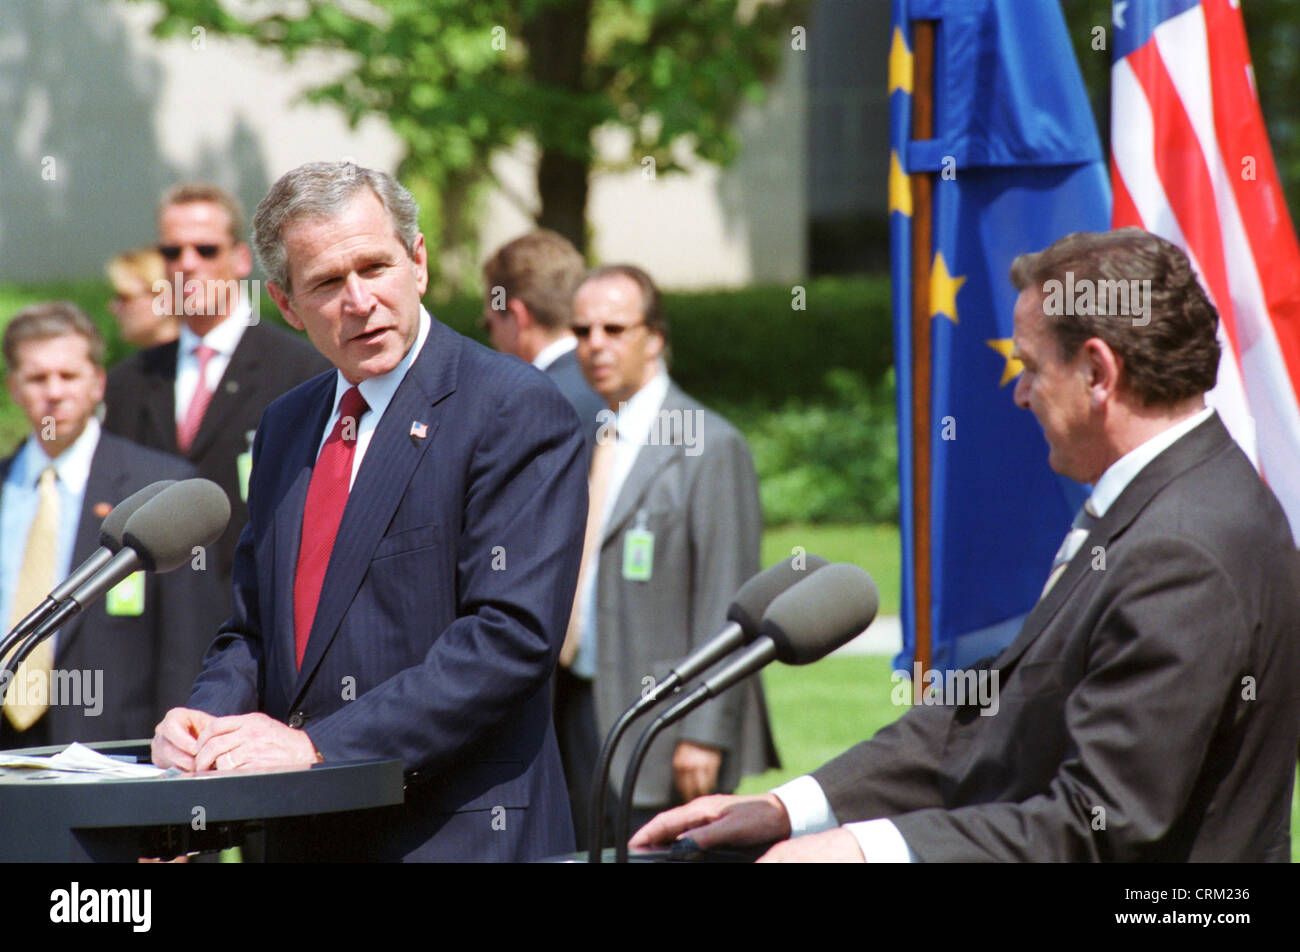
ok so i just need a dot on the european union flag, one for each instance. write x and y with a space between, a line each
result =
1015 163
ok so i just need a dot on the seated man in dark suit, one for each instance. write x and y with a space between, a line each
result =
402 586
528 307
201 397
1147 710
119 665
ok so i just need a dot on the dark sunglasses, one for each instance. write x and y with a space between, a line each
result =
172 252
583 331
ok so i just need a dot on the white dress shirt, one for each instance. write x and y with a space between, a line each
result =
554 351
879 840
223 339
378 393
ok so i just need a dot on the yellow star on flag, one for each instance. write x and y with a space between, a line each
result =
943 289
900 186
900 63
1011 371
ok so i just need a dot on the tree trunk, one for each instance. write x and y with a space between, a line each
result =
562 185
557 42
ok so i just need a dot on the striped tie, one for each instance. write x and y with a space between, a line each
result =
1084 520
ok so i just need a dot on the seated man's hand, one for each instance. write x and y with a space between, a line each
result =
695 769
252 740
832 846
176 738
718 821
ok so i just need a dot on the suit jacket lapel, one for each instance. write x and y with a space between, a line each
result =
381 482
107 484
158 401
650 460
239 384
297 461
1203 441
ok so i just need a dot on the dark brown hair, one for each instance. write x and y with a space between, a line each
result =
1169 355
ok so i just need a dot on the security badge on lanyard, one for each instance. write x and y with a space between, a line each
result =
638 551
244 465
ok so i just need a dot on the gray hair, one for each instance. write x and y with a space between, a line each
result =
321 190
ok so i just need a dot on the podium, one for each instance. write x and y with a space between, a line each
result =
77 820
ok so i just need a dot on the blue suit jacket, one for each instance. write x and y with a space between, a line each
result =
442 610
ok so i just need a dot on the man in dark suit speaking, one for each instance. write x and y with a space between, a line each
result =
1147 710
415 526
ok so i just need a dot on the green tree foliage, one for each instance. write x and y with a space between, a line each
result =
458 80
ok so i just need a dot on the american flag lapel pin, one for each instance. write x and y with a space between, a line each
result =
419 430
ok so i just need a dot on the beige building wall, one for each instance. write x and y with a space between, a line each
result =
97 117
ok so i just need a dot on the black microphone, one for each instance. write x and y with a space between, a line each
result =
804 624
163 534
824 612
110 542
160 536
744 616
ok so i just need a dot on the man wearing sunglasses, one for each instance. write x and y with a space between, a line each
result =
201 397
673 532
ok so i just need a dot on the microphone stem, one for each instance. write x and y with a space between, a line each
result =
600 780
623 817
47 628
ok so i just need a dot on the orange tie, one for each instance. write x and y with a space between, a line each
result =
602 465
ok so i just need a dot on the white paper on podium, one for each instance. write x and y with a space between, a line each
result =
79 759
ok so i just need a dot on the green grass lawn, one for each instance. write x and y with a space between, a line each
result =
821 710
874 548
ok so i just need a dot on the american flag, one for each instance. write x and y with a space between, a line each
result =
1190 161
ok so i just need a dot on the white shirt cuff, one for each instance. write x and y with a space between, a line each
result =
880 841
806 805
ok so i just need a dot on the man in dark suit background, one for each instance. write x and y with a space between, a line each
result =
402 586
118 666
1147 710
528 307
201 397
674 531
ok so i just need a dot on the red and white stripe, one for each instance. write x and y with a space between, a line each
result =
1186 134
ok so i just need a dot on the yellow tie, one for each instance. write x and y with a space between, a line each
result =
35 579
602 465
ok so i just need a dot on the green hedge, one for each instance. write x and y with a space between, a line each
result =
811 389
752 348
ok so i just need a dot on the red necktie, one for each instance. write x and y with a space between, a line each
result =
326 498
189 427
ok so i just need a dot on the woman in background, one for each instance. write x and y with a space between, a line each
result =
132 275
